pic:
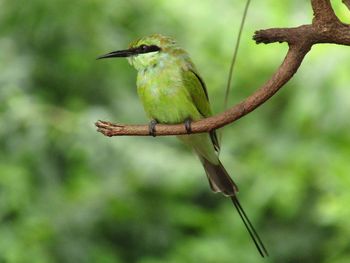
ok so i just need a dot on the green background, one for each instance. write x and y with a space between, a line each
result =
69 194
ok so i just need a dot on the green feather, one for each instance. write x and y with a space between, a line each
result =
172 91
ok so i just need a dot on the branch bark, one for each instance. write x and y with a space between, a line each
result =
325 28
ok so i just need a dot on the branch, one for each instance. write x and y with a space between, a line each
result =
323 12
325 28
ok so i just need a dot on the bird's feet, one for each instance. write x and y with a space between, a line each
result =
152 127
188 127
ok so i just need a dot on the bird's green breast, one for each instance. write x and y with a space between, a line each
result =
169 95
164 94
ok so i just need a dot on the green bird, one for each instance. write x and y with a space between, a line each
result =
172 91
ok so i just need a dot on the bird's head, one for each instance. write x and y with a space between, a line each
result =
149 51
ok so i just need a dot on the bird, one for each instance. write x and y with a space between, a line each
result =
172 91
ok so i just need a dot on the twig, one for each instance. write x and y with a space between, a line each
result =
235 53
325 28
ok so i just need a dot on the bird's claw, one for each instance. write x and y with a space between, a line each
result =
152 128
188 125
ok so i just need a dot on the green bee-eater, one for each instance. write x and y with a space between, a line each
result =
172 91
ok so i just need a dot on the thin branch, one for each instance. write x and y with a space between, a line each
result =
232 66
235 53
325 28
323 12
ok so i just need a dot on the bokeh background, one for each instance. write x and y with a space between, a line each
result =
69 194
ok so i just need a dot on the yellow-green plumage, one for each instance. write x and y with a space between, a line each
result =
167 83
172 91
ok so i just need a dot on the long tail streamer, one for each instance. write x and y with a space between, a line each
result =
251 230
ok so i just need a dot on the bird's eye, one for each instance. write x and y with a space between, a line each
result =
143 47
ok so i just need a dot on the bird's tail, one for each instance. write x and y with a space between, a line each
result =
220 181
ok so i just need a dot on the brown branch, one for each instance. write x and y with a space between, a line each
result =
325 28
323 12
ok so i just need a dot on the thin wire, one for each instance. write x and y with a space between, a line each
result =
233 61
234 58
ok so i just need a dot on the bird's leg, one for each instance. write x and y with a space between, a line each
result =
188 127
152 127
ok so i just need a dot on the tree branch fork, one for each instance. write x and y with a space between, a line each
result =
325 28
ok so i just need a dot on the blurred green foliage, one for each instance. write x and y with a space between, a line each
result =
68 194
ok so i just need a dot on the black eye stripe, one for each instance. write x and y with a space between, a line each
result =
146 49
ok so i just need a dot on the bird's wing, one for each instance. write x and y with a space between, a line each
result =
199 95
198 92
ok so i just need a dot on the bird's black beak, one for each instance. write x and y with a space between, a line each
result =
131 52
119 54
